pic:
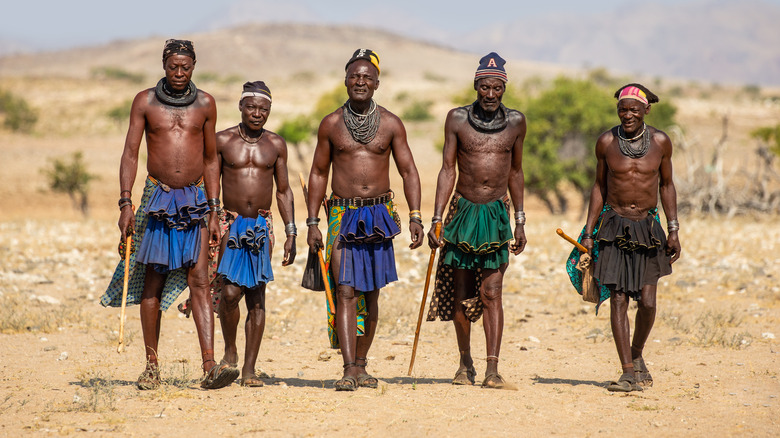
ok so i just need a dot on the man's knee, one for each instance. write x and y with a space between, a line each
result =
231 296
491 293
345 292
646 305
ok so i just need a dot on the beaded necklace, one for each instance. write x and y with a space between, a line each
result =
362 127
627 144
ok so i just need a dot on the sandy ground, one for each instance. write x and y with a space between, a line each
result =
713 352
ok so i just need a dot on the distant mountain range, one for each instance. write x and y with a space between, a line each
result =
726 41
723 41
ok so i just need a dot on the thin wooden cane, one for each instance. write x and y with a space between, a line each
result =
437 231
319 250
570 240
128 245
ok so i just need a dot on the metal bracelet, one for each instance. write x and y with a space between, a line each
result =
213 202
436 220
672 225
416 220
520 217
312 221
290 229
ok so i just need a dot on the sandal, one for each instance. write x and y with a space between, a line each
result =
465 377
149 379
365 380
493 381
219 376
626 383
252 382
641 375
346 383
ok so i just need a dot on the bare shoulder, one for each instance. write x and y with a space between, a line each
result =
329 121
277 140
459 114
659 137
143 98
205 99
387 116
226 135
604 140
514 117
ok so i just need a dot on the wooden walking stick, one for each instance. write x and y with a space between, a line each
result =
437 231
128 246
590 292
319 250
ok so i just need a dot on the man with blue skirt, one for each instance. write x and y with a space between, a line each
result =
180 197
357 141
251 158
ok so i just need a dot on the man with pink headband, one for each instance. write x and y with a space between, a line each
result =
623 232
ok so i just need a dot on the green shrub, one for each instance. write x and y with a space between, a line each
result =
418 111
71 177
19 116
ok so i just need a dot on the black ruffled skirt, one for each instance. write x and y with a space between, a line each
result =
631 253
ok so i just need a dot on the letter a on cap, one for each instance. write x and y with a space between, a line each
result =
492 63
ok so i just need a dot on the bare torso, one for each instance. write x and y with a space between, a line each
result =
175 139
632 183
361 170
248 170
484 160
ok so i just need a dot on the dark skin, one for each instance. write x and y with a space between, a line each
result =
488 164
181 147
249 169
630 186
364 171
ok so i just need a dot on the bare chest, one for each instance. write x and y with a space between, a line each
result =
243 155
343 143
162 118
472 142
620 164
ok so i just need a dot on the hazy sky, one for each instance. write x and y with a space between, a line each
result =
54 24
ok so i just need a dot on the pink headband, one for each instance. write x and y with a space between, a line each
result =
633 93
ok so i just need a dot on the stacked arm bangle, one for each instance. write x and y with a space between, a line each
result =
290 229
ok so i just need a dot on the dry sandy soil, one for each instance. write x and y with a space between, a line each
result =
713 351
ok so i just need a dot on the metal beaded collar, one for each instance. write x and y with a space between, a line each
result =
479 122
363 127
627 144
169 97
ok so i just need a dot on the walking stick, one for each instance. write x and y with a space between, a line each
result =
128 245
436 231
570 240
319 250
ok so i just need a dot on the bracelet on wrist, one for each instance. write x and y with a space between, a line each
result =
290 229
312 221
416 220
520 217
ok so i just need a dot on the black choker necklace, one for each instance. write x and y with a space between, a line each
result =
478 118
169 97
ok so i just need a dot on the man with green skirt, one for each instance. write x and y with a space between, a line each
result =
485 141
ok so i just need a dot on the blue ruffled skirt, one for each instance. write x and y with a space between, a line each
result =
247 257
172 236
367 257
